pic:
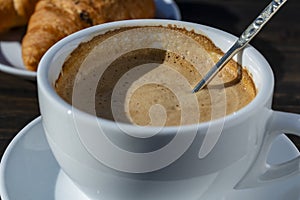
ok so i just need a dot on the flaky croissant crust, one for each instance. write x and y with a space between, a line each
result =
54 19
15 13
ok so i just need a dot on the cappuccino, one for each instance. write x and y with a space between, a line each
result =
145 75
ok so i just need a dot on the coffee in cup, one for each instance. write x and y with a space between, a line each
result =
207 160
150 80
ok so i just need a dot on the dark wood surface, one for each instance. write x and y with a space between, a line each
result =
279 42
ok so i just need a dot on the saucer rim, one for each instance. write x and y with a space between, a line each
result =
38 120
9 150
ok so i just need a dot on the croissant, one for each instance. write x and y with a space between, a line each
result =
54 19
15 13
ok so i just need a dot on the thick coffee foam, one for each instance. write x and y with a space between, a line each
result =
144 76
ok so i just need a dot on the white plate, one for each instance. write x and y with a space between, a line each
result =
10 43
28 171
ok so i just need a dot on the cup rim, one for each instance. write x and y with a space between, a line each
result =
261 98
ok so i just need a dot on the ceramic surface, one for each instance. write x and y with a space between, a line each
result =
101 156
29 171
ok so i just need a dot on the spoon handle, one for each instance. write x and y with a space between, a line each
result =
243 40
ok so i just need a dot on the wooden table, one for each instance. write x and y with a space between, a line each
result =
279 42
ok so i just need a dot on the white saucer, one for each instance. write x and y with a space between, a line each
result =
30 172
10 44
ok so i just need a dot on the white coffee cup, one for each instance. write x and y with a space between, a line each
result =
193 161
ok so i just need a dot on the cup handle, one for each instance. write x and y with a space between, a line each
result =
261 172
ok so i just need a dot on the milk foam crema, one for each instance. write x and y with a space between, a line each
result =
145 75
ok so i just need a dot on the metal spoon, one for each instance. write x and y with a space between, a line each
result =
244 39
